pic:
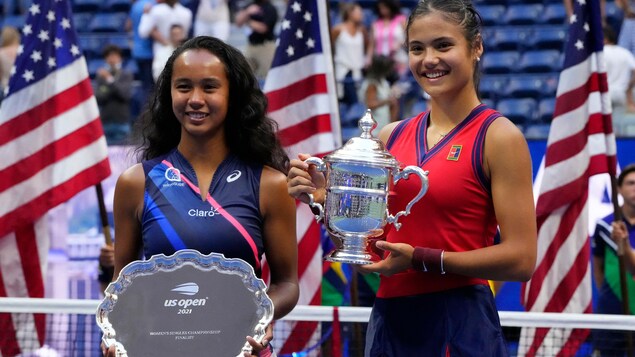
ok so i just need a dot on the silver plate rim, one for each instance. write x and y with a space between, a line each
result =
161 262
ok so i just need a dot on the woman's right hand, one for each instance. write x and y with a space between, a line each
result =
304 179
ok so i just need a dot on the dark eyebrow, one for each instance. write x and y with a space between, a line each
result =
435 41
443 39
206 80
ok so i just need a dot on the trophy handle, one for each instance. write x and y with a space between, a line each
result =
404 174
320 167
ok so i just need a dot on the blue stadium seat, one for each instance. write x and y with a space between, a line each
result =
334 17
489 38
523 14
81 21
91 45
123 41
418 107
118 5
500 62
546 107
511 37
86 5
555 14
537 131
491 86
16 21
492 14
343 108
108 22
409 3
348 133
137 101
540 61
524 86
489 103
369 17
550 85
520 111
481 3
547 38
406 11
614 15
94 65
131 65
353 114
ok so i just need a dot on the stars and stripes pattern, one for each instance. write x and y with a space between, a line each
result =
52 147
301 92
581 144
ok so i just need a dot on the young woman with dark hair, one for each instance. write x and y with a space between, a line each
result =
434 298
207 146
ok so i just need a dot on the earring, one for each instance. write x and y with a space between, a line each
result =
478 59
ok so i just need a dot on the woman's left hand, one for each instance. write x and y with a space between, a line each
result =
399 259
257 347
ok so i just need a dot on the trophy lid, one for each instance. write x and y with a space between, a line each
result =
365 148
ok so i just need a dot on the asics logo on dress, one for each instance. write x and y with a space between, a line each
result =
234 176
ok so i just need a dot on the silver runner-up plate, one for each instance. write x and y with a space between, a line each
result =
186 304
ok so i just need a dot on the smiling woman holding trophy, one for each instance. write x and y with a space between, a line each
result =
211 182
434 294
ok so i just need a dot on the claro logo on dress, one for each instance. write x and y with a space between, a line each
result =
234 176
193 212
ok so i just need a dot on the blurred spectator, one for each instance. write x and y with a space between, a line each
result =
627 31
157 21
260 19
350 43
389 34
141 47
620 70
10 7
177 37
9 44
113 92
377 93
211 18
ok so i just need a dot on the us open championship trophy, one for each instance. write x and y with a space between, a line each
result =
358 180
186 304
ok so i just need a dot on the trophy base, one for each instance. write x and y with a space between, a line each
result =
348 257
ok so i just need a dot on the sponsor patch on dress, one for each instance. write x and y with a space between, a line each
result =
455 152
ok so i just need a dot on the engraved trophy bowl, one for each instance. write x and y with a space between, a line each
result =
358 180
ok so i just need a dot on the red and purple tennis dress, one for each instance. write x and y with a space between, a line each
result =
429 314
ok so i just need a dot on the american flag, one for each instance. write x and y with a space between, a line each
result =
581 144
301 92
52 147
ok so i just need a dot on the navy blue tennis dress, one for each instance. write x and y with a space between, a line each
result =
175 216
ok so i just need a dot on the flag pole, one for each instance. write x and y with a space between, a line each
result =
621 250
103 214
